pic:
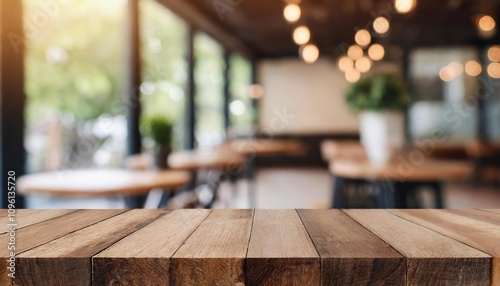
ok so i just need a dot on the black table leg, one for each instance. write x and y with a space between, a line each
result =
438 194
135 202
386 198
339 187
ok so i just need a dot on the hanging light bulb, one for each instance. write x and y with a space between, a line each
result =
352 75
292 13
473 68
404 6
376 52
486 23
494 70
301 35
381 25
354 52
345 64
363 64
363 37
309 53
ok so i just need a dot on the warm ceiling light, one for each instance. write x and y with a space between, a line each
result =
301 35
345 64
376 52
355 52
363 64
473 68
486 23
292 13
309 53
494 53
352 76
381 25
444 75
363 37
404 6
455 69
494 70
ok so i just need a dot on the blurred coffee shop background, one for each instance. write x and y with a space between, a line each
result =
239 103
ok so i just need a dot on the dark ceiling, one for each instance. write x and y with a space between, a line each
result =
259 24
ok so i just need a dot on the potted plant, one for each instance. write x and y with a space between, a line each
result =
382 101
159 129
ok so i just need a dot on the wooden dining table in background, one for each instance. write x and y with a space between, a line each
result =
408 170
255 247
253 148
102 183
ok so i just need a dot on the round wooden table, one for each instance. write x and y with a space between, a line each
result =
252 148
199 159
263 147
397 180
101 182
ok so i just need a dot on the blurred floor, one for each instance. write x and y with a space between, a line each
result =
287 188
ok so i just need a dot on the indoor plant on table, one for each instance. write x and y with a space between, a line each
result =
159 129
381 101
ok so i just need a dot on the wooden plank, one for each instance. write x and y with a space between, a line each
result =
497 211
67 260
432 258
145 255
24 217
215 253
352 256
280 251
490 217
37 234
477 233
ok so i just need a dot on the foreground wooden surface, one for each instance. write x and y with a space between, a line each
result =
254 247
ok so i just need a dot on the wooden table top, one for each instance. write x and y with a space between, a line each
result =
427 170
254 247
100 182
335 149
195 160
265 147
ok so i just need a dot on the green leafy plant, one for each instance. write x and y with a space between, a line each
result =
159 129
377 93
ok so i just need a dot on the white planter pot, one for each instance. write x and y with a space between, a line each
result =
382 134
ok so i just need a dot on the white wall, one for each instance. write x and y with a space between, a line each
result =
304 99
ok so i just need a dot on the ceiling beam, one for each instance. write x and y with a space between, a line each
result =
201 22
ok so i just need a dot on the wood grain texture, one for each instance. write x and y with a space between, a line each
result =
215 253
145 255
497 211
456 224
428 170
432 258
280 249
101 182
66 260
196 160
37 234
350 254
26 217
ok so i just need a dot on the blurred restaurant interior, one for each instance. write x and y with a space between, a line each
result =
250 104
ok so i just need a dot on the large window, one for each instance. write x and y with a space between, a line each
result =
209 97
74 72
163 49
240 107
